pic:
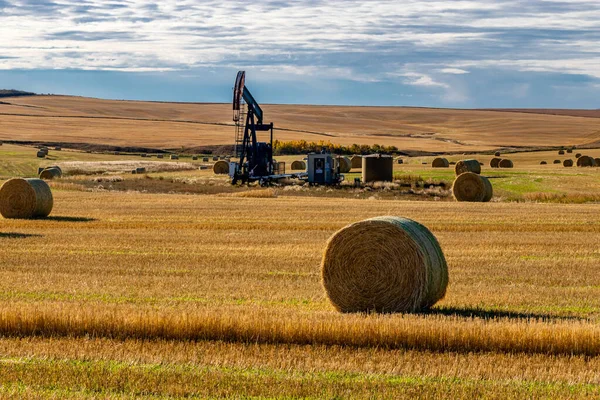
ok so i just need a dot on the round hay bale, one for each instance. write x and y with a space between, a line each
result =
494 162
505 163
345 164
473 187
174 157
543 163
140 170
569 151
568 163
556 162
25 198
467 166
497 154
298 165
597 162
561 152
144 155
452 162
205 159
400 161
577 155
41 154
160 156
215 158
440 163
384 264
40 169
50 173
221 167
586 161
194 158
356 161
57 148
133 172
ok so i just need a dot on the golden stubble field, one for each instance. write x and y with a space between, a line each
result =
172 125
131 294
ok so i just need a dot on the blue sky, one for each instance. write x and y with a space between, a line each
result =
465 54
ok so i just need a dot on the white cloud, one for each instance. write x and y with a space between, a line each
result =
454 71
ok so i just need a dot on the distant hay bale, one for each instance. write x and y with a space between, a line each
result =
356 161
221 167
497 154
597 160
25 198
41 154
494 162
586 161
345 164
57 148
215 158
298 165
133 172
174 157
467 166
205 159
577 155
144 155
569 151
400 161
440 162
556 162
40 169
561 152
384 265
568 163
194 158
543 163
160 156
452 162
50 173
140 170
472 187
505 163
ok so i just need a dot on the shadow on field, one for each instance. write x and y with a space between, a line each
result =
69 219
14 235
470 312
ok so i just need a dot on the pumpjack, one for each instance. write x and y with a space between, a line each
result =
255 158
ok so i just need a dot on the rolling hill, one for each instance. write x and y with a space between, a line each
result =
69 119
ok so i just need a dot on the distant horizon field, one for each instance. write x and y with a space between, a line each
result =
163 125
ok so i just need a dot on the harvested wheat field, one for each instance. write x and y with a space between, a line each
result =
127 123
127 293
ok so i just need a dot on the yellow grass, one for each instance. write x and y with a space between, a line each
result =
169 125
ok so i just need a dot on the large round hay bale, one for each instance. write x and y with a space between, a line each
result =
497 154
440 162
25 198
50 173
467 166
561 152
505 163
345 164
356 161
586 161
568 163
470 186
41 154
556 162
384 264
221 167
298 165
577 155
543 162
494 162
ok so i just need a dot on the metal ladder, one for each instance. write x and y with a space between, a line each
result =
240 125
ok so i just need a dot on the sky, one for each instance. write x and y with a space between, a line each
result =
442 53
